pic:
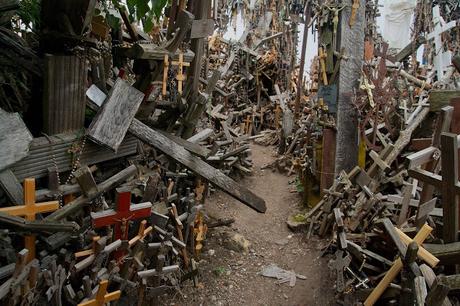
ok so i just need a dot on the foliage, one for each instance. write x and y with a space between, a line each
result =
299 185
29 13
144 11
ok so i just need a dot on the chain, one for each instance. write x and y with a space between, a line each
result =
76 161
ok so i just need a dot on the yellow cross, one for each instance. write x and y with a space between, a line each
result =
180 77
29 210
165 75
102 296
141 233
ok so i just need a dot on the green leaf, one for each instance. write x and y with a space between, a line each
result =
142 8
112 21
148 23
158 6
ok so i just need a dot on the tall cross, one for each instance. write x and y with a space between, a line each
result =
180 77
102 297
448 183
122 215
29 211
441 59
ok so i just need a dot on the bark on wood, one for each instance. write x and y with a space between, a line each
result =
352 42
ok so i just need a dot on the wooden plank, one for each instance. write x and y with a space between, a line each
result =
449 164
43 150
12 187
202 28
201 136
14 140
189 146
179 154
111 123
64 93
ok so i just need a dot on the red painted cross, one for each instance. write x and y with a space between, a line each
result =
122 215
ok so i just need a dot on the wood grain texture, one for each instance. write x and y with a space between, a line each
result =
182 156
12 187
41 151
14 139
352 44
111 123
64 94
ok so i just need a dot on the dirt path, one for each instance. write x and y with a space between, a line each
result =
231 278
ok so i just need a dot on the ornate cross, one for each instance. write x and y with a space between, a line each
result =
29 211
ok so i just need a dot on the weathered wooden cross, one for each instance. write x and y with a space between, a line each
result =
441 59
180 77
398 264
29 211
448 183
102 297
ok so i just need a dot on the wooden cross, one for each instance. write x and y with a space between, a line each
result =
180 236
102 297
120 217
165 75
200 232
180 77
398 264
441 59
141 233
448 183
341 263
247 124
29 211
368 87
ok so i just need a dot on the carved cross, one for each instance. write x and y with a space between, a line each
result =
29 211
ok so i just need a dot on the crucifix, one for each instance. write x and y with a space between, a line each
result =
102 297
368 87
29 211
122 215
441 59
165 75
180 77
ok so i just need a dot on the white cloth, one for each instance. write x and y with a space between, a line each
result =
397 22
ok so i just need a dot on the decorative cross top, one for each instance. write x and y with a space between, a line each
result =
122 215
180 77
29 211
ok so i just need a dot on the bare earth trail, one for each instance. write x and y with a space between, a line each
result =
231 278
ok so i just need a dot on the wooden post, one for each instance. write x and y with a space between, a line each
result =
449 164
64 94
307 18
352 43
328 159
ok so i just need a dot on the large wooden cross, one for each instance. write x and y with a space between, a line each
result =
180 77
29 211
122 215
448 183
441 59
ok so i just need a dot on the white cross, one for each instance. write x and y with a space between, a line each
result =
441 59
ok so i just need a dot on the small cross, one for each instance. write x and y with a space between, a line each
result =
89 251
165 75
368 87
141 233
247 124
180 77
29 211
441 59
102 297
